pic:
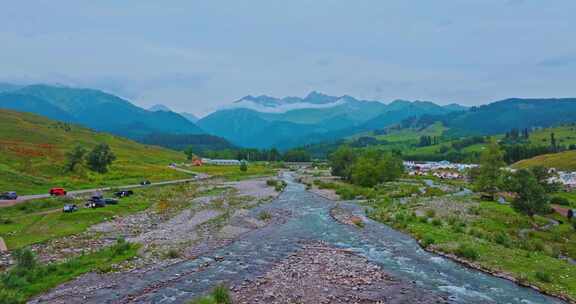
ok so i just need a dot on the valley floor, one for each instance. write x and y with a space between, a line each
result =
267 246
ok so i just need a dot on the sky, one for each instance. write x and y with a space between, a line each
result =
197 56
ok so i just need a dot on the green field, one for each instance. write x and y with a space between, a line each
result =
33 149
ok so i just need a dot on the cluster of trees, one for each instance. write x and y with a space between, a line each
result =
427 140
367 167
468 141
517 152
515 134
531 186
272 155
97 160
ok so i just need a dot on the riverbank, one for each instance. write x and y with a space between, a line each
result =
484 236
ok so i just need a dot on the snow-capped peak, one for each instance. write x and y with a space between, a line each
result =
268 104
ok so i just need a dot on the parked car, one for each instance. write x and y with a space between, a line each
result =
70 208
145 182
110 201
123 193
95 197
8 195
57 192
96 203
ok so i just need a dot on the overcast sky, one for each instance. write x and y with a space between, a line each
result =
196 56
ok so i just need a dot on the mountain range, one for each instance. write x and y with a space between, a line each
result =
95 109
265 121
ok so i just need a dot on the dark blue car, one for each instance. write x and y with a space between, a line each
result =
8 195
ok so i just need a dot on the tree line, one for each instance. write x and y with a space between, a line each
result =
271 155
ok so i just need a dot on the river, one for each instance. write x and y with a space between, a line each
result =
255 253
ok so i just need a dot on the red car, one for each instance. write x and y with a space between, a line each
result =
57 192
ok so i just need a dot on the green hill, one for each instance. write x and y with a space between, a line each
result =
562 161
33 149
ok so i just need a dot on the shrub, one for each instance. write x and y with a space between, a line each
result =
10 297
430 213
543 276
172 254
280 186
243 166
558 200
458 229
474 210
222 295
427 241
264 215
271 182
433 192
6 221
436 222
25 259
120 248
502 239
346 194
104 269
467 252
219 295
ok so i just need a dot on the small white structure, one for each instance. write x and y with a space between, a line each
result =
221 162
567 179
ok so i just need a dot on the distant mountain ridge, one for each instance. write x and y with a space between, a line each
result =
95 109
264 121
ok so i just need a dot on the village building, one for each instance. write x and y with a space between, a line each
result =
221 162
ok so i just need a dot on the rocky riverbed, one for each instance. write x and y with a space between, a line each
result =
323 274
195 223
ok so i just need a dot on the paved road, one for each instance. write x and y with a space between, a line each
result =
23 198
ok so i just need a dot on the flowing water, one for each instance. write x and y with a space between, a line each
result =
255 253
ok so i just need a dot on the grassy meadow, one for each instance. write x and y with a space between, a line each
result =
562 161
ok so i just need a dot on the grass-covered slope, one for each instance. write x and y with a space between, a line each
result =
33 152
561 161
